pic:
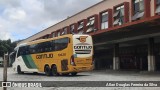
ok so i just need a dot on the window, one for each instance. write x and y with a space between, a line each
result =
64 31
13 55
40 47
20 52
104 20
80 27
61 44
72 27
119 15
138 9
91 21
45 47
58 33
158 6
24 50
90 24
53 34
32 48
27 50
48 46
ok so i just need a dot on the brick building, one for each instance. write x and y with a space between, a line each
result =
126 33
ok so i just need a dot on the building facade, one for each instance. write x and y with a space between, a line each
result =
126 33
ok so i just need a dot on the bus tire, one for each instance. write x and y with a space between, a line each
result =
47 70
54 70
19 70
74 73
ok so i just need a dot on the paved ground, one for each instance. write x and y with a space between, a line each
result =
104 75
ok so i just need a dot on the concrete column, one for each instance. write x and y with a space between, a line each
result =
116 62
151 56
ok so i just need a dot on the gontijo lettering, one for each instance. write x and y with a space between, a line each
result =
42 56
82 47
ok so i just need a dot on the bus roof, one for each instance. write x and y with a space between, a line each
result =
43 40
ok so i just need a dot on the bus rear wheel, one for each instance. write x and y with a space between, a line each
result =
19 70
74 73
54 70
47 71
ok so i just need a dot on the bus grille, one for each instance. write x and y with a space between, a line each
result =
82 51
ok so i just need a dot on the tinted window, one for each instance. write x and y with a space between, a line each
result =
49 46
45 47
24 50
104 20
32 48
54 45
61 44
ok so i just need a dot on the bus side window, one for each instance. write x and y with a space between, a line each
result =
61 44
32 48
40 48
20 51
64 43
13 56
26 50
53 45
50 46
46 46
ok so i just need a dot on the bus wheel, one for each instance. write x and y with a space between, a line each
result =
54 70
19 70
47 70
74 73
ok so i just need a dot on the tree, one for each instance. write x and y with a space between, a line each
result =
6 46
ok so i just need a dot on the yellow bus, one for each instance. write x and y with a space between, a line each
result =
63 55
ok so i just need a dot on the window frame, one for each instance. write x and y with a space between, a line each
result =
103 22
146 13
58 33
61 47
157 7
80 25
81 29
72 30
110 19
64 31
91 21
119 15
90 24
138 14
126 13
53 34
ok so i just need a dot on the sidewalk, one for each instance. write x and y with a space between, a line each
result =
109 71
